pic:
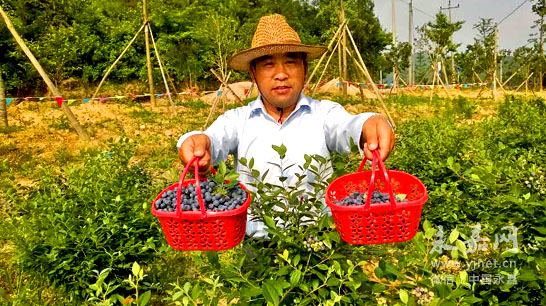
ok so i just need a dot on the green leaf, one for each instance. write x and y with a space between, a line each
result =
222 168
269 222
296 259
403 296
295 277
187 287
281 150
136 269
471 300
250 292
430 232
460 246
323 267
144 298
333 282
453 236
232 176
509 252
272 291
177 295
334 236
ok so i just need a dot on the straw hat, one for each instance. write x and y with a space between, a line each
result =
273 35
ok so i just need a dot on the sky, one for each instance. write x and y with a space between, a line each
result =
513 31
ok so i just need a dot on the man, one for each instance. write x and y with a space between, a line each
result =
282 114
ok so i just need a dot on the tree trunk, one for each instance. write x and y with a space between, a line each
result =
3 111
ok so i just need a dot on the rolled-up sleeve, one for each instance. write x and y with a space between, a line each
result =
340 127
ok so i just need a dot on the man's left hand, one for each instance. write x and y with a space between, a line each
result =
377 134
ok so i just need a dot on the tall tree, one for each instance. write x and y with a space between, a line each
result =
435 38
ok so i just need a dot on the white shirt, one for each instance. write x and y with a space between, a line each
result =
314 127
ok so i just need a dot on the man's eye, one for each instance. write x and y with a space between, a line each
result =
268 64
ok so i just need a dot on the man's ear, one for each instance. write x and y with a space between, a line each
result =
252 71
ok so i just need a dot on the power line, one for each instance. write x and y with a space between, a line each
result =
418 9
517 8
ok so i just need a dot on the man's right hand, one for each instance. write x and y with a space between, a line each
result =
197 145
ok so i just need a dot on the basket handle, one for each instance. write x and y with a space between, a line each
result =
195 162
377 160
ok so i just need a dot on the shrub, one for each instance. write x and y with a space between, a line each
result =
87 219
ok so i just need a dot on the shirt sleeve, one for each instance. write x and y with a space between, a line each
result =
223 136
340 127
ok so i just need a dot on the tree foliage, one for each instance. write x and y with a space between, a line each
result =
81 39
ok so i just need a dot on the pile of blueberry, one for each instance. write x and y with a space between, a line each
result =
357 198
216 198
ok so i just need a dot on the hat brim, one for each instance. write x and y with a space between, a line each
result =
241 60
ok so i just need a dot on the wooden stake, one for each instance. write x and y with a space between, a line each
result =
226 85
213 107
344 49
325 68
115 62
324 54
161 69
513 74
148 57
64 106
368 76
525 82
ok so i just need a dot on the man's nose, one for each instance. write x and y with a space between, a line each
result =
281 73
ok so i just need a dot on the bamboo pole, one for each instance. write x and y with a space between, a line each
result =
3 104
64 106
513 74
344 49
226 85
116 61
525 82
325 67
161 69
148 57
213 107
500 86
369 77
324 54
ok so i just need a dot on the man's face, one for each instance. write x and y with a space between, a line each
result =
280 78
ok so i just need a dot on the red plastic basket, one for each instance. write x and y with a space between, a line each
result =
377 223
201 230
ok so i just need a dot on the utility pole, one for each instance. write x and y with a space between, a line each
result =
495 63
541 51
411 59
393 43
148 57
449 8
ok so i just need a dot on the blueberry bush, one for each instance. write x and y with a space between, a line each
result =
85 232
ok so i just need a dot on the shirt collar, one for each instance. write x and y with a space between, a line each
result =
258 105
